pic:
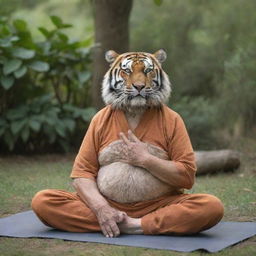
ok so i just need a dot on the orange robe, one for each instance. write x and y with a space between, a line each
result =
161 127
171 213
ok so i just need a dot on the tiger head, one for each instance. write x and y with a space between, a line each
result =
135 80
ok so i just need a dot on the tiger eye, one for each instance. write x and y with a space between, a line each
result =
148 70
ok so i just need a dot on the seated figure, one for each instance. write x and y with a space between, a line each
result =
134 163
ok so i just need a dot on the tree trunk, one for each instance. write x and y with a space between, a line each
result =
216 161
111 20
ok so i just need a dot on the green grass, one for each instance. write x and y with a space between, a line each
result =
22 177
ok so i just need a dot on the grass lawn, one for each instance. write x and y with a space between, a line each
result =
22 177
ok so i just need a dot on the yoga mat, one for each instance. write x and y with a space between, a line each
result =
225 234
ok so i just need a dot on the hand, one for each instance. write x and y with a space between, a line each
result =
108 218
135 151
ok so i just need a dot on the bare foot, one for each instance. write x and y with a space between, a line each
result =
130 226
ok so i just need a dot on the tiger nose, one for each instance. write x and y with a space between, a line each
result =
138 87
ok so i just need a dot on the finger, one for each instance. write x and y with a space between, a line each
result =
132 136
104 231
124 138
115 229
108 230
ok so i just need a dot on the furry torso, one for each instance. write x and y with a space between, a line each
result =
125 183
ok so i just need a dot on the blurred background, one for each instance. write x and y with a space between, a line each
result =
52 64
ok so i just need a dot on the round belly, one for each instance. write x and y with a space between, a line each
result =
125 183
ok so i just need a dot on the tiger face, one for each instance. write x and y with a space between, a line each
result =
135 80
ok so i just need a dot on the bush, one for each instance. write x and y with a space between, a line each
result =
200 118
237 93
42 86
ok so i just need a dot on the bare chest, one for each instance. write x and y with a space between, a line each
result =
133 119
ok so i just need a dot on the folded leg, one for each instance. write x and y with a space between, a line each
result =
190 214
64 210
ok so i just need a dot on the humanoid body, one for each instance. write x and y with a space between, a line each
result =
134 162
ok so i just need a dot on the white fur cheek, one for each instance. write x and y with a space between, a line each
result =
125 183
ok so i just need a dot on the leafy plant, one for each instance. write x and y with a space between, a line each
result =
200 118
42 85
41 122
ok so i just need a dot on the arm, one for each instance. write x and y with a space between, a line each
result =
168 172
178 172
84 173
107 216
88 191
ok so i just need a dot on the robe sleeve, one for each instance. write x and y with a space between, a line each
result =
86 163
181 153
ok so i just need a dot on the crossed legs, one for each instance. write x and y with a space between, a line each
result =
179 214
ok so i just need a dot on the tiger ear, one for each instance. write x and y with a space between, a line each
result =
110 56
160 55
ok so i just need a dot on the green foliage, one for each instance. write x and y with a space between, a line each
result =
158 2
211 48
42 85
40 123
199 117
239 85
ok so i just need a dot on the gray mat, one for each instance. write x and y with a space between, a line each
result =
225 234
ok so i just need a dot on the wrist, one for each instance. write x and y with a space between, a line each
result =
147 161
98 206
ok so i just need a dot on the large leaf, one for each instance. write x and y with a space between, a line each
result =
42 100
14 38
88 113
69 107
57 21
16 126
39 66
11 65
20 72
17 113
49 130
5 30
2 59
3 20
158 2
25 134
45 47
46 32
9 140
7 82
35 125
7 42
87 42
2 130
3 125
23 53
70 124
63 37
2 122
60 129
20 25
84 76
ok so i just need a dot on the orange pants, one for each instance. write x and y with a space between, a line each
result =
177 214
